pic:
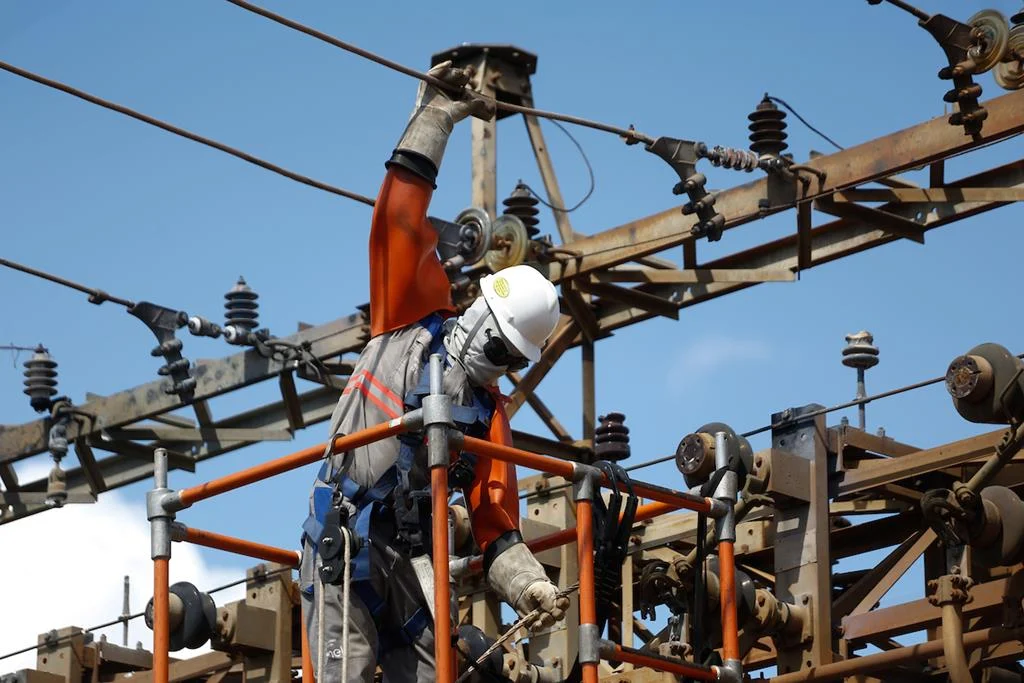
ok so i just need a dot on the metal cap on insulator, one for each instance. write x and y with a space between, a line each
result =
40 379
241 309
860 350
611 437
522 204
767 128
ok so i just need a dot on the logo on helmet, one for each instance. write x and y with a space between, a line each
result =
501 287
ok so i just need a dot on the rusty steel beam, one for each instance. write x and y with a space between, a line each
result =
213 377
830 242
543 412
633 297
120 470
875 473
933 195
556 346
878 158
863 595
917 615
687 277
891 223
547 173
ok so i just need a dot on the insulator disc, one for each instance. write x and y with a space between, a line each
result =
509 243
997 33
241 310
1010 75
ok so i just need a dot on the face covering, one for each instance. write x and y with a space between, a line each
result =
465 343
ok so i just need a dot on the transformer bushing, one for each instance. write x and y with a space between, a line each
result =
860 353
40 379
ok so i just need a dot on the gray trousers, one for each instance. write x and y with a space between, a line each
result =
394 580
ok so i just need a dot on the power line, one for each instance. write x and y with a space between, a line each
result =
590 172
96 296
131 617
631 135
776 425
170 128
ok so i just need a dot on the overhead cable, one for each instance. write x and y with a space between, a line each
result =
777 425
125 618
96 296
630 134
170 128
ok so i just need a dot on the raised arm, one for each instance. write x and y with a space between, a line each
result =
407 281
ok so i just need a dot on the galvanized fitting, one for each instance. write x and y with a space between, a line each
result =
725 526
590 644
719 508
437 410
585 482
413 420
179 532
159 516
731 671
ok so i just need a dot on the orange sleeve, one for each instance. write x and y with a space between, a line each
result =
407 281
494 494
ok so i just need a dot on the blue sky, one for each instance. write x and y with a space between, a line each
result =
143 214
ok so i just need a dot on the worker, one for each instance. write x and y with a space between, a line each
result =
381 491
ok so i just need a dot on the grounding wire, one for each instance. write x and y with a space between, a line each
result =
170 128
124 618
630 134
590 172
804 121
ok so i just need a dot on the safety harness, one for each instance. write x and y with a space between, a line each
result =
390 512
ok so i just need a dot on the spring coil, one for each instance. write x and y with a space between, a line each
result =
732 158
241 309
40 379
767 128
523 206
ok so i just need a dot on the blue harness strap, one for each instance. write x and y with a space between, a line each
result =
370 502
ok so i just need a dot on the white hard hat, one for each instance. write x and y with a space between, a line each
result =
525 304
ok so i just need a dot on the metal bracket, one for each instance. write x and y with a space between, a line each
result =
163 323
682 156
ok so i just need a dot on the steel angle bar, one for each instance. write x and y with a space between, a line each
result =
214 377
878 158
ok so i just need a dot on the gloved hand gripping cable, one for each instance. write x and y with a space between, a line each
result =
524 621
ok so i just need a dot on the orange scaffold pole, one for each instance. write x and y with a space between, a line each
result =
239 546
399 425
437 420
160 551
566 469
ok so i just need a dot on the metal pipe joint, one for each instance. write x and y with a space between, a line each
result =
590 644
157 513
731 671
726 492
586 480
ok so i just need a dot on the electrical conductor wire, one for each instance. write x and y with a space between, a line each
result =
631 135
590 172
170 128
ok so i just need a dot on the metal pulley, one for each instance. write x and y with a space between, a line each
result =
1009 73
987 385
990 32
193 616
465 241
695 454
510 243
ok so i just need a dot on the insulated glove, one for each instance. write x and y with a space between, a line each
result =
436 113
519 579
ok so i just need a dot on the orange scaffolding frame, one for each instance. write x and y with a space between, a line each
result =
442 439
